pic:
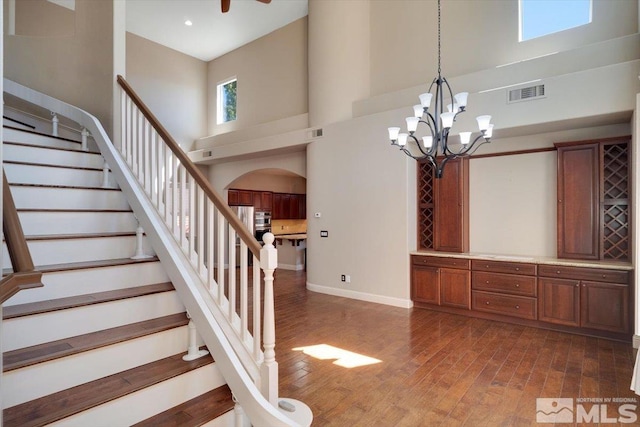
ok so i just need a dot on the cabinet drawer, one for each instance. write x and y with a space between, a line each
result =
523 307
578 273
440 262
504 267
504 283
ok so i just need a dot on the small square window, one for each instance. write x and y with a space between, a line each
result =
542 17
226 95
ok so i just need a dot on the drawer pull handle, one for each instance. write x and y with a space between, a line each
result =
518 307
604 276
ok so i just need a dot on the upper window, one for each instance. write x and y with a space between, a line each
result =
227 100
541 17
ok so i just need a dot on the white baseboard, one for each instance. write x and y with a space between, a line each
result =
636 341
296 267
362 296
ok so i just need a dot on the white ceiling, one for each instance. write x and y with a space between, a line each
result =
213 33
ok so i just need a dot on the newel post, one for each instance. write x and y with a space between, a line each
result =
269 368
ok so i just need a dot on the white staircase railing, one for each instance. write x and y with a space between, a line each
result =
195 233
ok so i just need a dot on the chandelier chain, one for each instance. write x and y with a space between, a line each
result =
439 72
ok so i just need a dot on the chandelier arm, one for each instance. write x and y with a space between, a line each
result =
444 79
486 141
418 144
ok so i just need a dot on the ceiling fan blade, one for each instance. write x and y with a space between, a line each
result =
225 5
264 1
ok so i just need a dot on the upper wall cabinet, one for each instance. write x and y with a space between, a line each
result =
593 199
443 207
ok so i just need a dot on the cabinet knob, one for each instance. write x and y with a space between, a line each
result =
604 276
486 266
577 284
518 307
517 285
557 271
517 268
487 303
487 282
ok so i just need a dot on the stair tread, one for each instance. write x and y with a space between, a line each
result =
53 268
195 412
79 210
71 401
20 310
51 165
68 187
72 150
32 355
42 134
79 236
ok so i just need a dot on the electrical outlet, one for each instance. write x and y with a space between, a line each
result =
324 233
343 278
348 278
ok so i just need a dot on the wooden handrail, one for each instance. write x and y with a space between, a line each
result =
24 276
197 175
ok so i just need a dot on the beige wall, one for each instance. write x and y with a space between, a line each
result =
476 35
43 18
275 180
172 84
76 69
272 78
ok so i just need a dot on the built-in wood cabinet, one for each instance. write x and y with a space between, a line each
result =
594 199
441 281
584 297
588 300
289 206
240 198
443 207
263 201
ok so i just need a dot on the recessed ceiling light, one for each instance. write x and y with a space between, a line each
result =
188 23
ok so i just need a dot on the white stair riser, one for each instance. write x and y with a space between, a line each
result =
64 284
64 251
13 135
36 329
143 404
69 222
32 382
226 420
46 175
30 154
6 122
67 198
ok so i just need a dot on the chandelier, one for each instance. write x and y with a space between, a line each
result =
435 147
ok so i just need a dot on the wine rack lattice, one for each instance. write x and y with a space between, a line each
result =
615 198
425 206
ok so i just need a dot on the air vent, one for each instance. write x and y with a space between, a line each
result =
316 133
526 93
207 153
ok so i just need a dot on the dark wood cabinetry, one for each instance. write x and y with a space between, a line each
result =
443 207
593 199
263 201
240 198
441 281
588 300
289 206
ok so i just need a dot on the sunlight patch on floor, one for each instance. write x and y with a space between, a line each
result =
346 359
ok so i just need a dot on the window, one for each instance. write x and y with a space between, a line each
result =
227 100
541 17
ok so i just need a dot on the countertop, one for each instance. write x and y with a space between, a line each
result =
530 259
299 236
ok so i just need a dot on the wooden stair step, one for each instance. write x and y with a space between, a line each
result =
32 355
21 310
72 187
194 412
53 268
42 147
43 134
73 210
79 236
51 165
56 406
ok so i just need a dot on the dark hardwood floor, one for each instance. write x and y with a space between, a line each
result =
436 369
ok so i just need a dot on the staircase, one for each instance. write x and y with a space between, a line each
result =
101 344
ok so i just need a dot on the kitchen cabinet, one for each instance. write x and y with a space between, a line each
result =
262 201
507 288
441 281
585 297
594 199
240 197
443 207
289 206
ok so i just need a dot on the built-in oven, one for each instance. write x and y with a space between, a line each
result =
262 224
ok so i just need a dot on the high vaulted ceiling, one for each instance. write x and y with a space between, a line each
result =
212 33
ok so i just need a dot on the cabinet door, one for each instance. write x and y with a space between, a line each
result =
559 301
451 213
425 284
455 288
233 198
605 306
578 202
245 198
266 201
257 201
302 206
277 206
286 206
293 206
